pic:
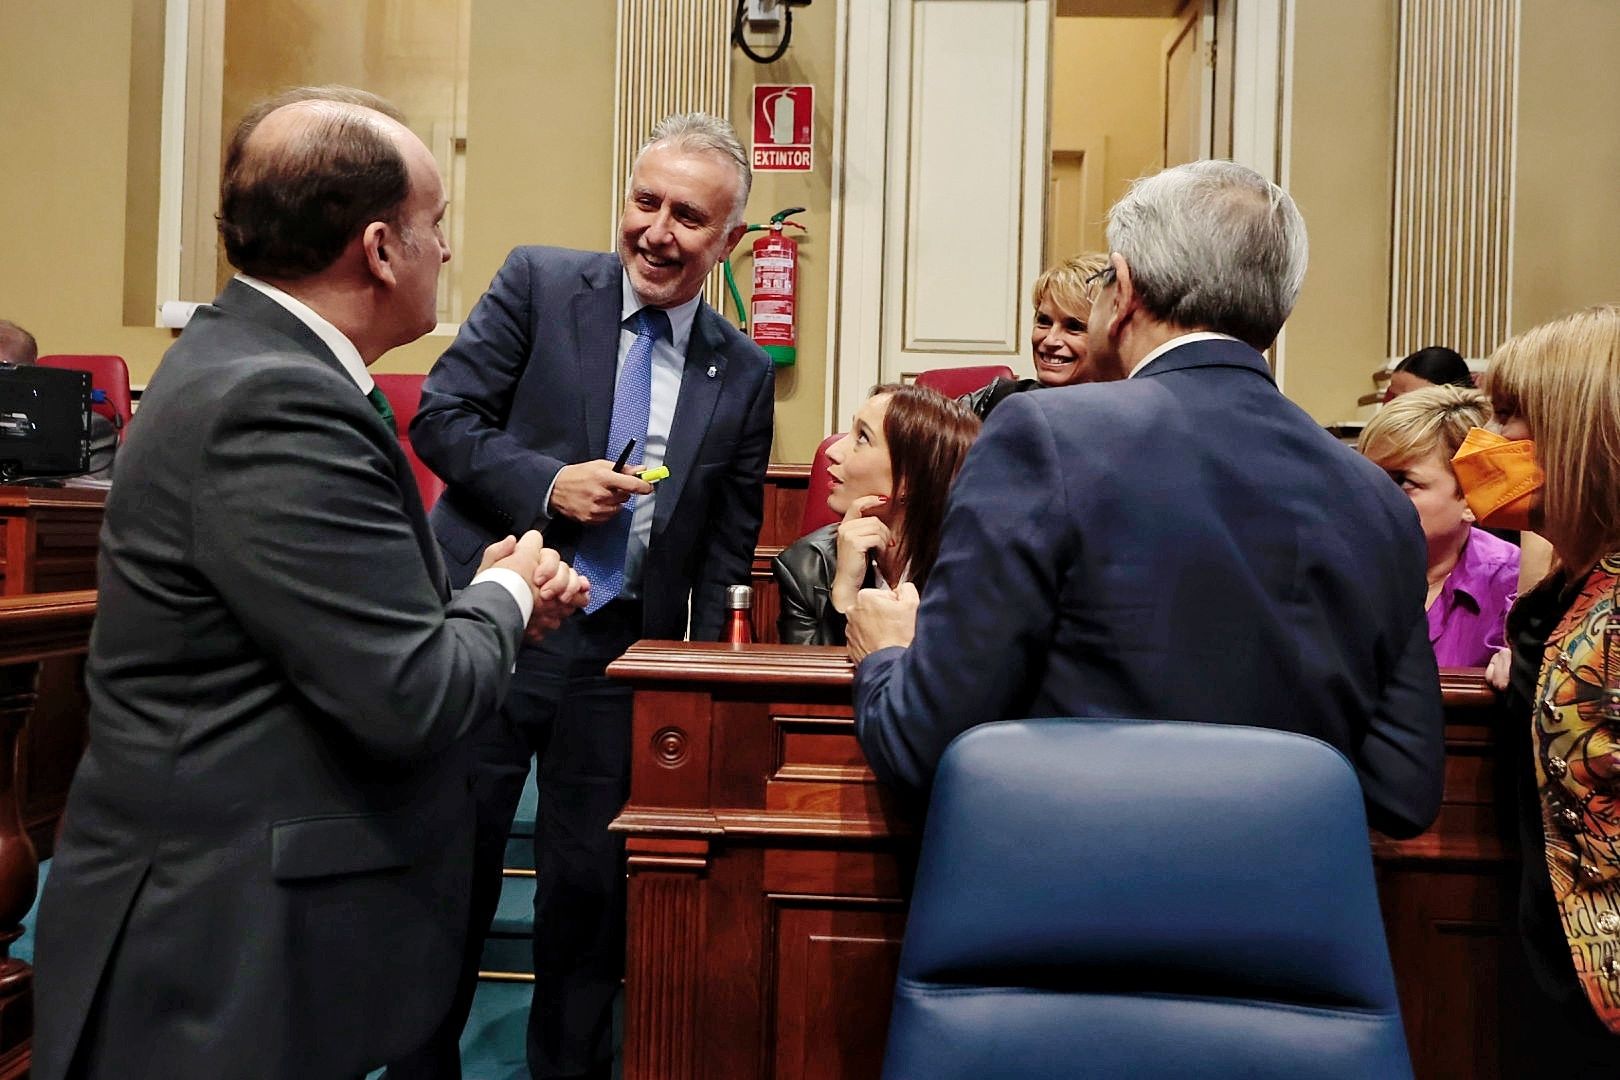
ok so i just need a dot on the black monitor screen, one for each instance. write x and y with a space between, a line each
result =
44 422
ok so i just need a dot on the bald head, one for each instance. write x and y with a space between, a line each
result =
17 346
304 175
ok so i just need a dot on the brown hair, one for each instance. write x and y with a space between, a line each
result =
928 436
288 212
1563 379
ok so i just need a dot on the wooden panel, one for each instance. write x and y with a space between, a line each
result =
835 970
809 863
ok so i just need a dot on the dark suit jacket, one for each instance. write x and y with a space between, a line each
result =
528 388
267 848
1183 545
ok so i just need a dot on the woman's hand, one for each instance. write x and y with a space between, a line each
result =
858 535
1499 668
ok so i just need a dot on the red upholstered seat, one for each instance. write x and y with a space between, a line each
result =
816 513
954 382
404 394
107 373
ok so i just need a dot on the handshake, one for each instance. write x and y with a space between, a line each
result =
558 591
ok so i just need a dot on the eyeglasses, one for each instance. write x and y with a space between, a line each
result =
1096 283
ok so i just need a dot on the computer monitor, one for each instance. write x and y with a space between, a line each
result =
44 423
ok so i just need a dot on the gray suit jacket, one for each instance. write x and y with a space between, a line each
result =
267 847
527 388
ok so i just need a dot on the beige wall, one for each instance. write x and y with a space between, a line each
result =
1341 175
1566 232
800 387
64 115
1106 89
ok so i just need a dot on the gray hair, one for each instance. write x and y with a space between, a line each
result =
1212 245
703 133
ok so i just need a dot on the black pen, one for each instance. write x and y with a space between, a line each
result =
624 456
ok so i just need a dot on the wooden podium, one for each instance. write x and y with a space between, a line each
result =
769 875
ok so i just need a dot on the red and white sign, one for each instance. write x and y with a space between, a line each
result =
782 128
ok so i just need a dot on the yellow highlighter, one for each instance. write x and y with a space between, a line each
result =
652 476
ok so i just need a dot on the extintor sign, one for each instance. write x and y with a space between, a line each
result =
782 128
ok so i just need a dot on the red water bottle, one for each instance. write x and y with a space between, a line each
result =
739 615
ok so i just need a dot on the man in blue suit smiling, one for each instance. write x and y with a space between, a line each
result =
576 372
1181 544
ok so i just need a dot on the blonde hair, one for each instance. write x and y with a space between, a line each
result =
1065 283
1563 379
1415 425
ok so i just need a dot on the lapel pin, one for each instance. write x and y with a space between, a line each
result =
711 371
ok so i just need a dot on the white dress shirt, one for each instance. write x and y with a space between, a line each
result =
349 356
1177 342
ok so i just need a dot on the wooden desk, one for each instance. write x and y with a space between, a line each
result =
769 877
50 538
35 631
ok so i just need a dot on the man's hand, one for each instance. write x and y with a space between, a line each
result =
591 492
497 551
557 597
858 534
881 618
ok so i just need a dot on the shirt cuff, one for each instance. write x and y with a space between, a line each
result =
513 583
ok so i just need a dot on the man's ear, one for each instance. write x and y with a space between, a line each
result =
732 237
380 243
1125 297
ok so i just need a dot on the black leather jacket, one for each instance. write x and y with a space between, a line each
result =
805 572
988 396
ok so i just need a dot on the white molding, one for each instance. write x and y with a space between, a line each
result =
1261 56
860 140
171 153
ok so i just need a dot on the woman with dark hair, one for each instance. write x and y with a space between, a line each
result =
1433 366
890 476
1551 461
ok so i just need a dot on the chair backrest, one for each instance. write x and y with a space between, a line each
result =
816 513
404 394
1115 898
108 374
956 381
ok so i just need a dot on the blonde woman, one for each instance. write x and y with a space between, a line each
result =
1552 462
1473 576
1058 345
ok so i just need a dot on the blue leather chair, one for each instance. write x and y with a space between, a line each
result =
1127 899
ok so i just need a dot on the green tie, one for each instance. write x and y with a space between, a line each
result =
380 403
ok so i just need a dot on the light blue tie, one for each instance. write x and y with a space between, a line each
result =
600 556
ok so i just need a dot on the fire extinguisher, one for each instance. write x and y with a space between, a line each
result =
769 318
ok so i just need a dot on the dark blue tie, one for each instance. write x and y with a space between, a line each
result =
600 556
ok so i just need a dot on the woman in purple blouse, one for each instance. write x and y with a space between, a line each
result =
1473 576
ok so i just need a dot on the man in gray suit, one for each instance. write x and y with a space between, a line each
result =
267 849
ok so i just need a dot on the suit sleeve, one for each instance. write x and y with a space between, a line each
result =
1402 759
989 610
459 431
300 525
736 510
